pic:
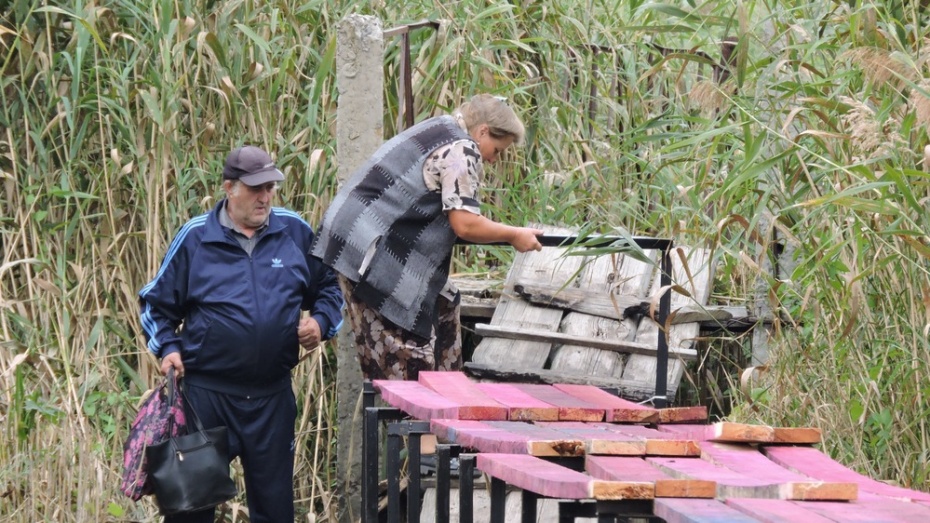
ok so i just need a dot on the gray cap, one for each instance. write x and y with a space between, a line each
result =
251 166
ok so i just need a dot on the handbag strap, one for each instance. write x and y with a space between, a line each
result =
174 388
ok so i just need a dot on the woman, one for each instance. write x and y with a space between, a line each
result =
390 231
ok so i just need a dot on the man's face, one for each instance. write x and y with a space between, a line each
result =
249 206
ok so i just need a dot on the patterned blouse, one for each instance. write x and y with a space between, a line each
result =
456 169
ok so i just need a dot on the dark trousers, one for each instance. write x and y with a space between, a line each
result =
261 434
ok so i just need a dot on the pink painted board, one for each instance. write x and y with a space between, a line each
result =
456 386
816 464
570 407
679 510
521 406
776 510
616 409
416 400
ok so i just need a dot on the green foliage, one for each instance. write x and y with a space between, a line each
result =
809 137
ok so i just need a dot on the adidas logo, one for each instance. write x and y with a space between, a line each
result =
276 263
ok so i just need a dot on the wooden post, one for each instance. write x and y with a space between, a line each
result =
359 132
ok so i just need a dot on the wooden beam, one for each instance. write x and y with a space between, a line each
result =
456 386
815 464
683 414
416 400
485 437
616 409
797 435
557 338
548 479
570 407
777 510
520 405
724 431
611 468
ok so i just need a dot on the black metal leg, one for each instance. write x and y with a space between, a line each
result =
529 506
443 483
466 488
392 463
498 500
665 307
370 467
413 473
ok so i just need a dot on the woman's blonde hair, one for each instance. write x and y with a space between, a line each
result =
494 111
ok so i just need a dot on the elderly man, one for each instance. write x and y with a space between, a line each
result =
237 280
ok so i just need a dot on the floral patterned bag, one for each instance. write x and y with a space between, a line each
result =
151 426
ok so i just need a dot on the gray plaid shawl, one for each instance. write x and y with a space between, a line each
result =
386 202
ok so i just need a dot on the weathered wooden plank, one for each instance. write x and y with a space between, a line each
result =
549 479
548 266
456 386
676 510
487 438
749 461
416 400
613 468
797 435
616 409
521 406
777 510
723 431
636 390
570 407
609 274
551 337
614 306
814 463
657 443
881 511
683 414
733 484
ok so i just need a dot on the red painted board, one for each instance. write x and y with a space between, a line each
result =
733 484
457 387
816 464
548 479
570 407
747 460
777 510
595 441
416 400
884 511
521 406
614 468
674 510
618 410
724 431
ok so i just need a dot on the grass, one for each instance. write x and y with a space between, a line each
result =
115 119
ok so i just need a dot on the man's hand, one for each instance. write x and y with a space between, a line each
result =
308 333
172 360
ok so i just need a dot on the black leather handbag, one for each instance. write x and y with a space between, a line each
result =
191 472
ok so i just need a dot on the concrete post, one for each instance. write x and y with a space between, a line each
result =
359 132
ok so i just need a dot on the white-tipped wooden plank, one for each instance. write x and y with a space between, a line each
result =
549 479
485 437
733 484
520 405
616 409
456 386
814 463
614 468
747 460
680 510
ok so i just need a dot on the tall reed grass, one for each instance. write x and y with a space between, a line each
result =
811 134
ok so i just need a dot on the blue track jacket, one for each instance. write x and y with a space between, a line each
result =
239 313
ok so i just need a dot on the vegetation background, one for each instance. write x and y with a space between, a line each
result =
745 127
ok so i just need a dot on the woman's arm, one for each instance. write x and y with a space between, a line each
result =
476 228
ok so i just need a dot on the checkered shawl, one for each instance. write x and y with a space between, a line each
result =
386 202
